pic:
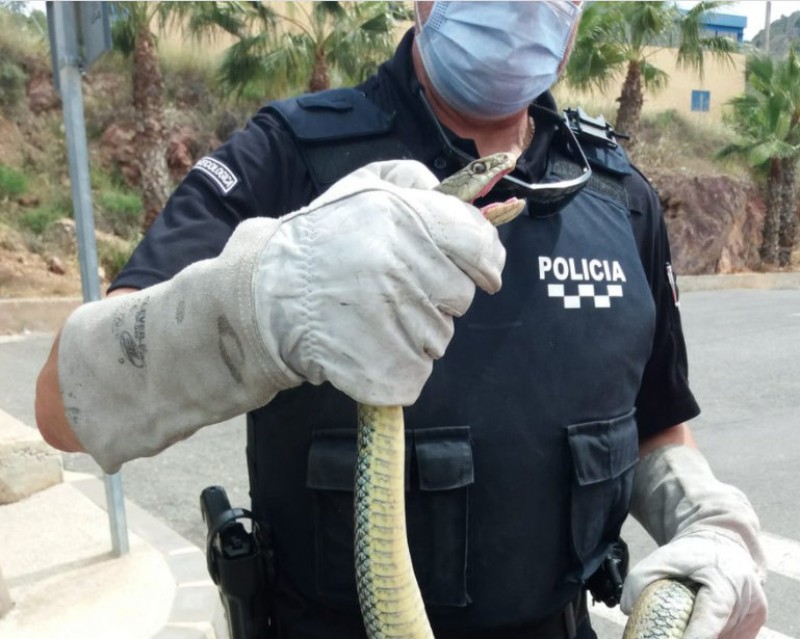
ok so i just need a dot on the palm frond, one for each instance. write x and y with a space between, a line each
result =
767 115
597 57
768 150
654 78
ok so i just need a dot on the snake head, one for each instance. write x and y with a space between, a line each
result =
478 177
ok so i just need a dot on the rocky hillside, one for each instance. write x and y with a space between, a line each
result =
37 250
783 34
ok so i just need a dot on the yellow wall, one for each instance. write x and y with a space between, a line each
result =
722 80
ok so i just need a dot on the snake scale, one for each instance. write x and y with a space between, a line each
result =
388 593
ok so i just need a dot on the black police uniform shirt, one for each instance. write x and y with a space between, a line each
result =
521 449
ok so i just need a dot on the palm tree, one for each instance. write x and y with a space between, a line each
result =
352 37
617 38
133 37
767 118
309 41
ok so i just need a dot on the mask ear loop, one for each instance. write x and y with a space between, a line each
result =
417 23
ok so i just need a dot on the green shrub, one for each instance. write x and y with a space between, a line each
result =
37 220
117 203
113 257
12 182
121 210
22 37
189 77
12 84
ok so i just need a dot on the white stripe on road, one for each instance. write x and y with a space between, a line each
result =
766 633
783 555
615 616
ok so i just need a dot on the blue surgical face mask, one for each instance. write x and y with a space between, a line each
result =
490 59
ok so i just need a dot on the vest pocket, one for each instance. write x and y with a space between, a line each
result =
437 513
439 468
604 454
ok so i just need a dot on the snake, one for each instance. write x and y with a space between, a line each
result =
662 611
388 593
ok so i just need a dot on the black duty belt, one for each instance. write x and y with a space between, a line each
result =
561 625
335 622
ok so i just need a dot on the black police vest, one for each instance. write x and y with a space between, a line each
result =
520 450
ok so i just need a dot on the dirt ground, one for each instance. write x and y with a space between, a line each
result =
25 273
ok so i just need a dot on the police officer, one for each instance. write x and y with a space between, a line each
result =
280 282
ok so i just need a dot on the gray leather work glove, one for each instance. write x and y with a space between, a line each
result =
708 533
358 289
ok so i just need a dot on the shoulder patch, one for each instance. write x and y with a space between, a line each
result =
219 173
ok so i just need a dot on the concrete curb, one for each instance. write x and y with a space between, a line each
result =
27 463
62 579
787 280
197 610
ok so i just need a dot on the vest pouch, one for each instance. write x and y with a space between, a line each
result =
438 470
604 455
437 513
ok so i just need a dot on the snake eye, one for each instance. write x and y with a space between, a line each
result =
479 167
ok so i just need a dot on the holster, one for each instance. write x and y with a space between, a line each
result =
240 563
606 583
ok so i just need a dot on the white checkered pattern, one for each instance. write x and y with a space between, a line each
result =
585 291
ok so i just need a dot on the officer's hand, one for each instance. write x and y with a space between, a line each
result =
730 604
360 287
709 534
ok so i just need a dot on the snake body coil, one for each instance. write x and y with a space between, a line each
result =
388 593
391 603
662 611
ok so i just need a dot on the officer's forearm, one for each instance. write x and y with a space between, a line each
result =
679 434
50 416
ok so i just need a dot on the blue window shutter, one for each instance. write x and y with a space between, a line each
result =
701 100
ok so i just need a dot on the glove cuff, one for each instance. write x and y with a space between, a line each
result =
142 371
676 493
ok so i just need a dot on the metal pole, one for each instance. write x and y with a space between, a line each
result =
766 27
69 74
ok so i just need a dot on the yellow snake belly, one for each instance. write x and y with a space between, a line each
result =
661 612
391 603
389 596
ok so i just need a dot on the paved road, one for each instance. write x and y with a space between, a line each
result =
744 350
